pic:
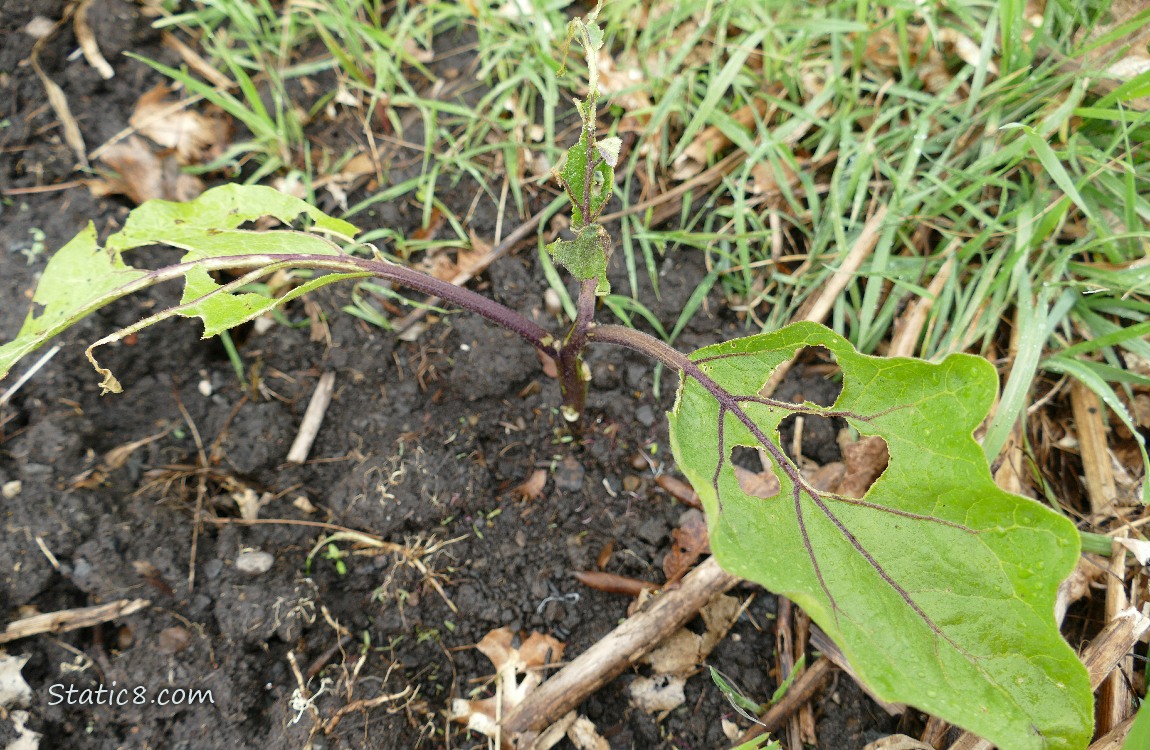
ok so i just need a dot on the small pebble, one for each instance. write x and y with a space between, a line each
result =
551 302
254 562
638 463
12 489
646 415
39 27
630 483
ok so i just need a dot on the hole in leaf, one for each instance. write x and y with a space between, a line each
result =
756 477
814 377
812 437
748 459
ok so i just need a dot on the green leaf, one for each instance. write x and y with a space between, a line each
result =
762 742
937 585
209 225
83 277
585 257
1139 737
1052 165
735 697
80 278
588 179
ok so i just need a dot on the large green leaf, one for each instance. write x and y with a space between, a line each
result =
82 276
937 585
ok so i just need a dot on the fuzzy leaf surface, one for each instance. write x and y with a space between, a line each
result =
83 276
588 187
938 586
585 257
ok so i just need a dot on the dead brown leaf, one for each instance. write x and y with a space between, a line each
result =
680 656
142 174
765 176
689 542
623 82
550 368
532 487
763 484
898 742
529 660
865 461
679 490
684 651
194 137
656 694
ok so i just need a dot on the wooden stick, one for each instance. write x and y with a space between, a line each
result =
904 342
784 655
1092 445
818 308
970 741
801 691
1115 738
1113 644
807 732
71 619
621 648
312 419
1113 705
934 734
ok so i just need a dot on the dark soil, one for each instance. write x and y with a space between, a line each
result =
424 442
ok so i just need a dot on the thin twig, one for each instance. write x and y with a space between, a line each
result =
71 619
312 419
620 648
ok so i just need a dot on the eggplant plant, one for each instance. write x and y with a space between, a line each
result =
938 586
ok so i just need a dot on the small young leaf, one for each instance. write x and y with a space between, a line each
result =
594 36
937 585
585 257
609 150
586 176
